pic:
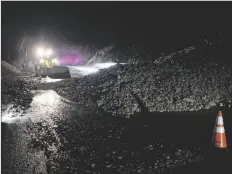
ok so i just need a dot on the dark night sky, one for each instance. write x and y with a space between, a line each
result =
161 25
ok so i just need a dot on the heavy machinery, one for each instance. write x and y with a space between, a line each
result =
47 65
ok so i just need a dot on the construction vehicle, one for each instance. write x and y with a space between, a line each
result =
49 66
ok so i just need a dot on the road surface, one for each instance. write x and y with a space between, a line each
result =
57 135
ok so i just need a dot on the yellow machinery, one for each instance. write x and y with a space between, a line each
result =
48 66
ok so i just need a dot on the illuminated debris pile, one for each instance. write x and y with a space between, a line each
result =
16 91
130 54
176 85
118 53
162 59
100 55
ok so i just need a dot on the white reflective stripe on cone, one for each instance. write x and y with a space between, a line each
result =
220 130
220 121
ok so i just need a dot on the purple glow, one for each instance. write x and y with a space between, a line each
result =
69 60
69 56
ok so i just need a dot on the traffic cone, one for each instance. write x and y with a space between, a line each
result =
219 137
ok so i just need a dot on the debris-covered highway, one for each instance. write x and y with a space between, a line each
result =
116 121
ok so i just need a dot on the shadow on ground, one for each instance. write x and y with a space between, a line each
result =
188 130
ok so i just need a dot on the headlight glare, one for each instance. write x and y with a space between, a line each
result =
41 61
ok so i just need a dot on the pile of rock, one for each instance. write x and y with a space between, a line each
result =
16 91
176 85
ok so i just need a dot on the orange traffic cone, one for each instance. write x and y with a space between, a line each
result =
219 137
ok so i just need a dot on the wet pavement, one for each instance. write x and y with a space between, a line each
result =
56 135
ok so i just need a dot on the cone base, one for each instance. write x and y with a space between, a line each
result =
218 153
